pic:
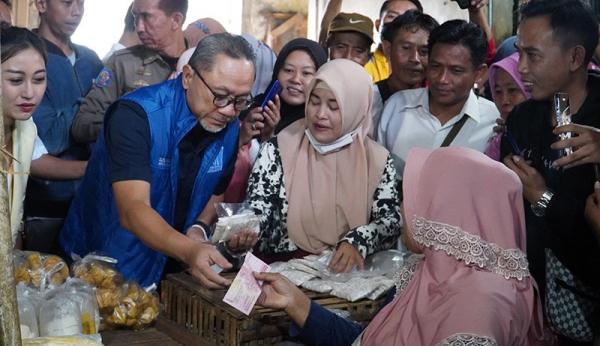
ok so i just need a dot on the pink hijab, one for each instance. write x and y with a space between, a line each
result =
510 64
328 195
473 282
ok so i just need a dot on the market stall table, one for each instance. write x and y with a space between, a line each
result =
194 315
149 337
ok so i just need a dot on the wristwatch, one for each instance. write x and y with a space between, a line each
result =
539 208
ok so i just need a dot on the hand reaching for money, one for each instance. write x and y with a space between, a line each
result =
200 259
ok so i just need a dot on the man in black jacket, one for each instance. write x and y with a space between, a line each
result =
556 40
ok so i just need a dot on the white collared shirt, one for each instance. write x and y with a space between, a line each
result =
406 123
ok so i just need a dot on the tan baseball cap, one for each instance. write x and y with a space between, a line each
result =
354 22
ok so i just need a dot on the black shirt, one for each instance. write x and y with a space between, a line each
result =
128 144
564 228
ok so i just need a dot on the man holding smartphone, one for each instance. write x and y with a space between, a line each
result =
556 40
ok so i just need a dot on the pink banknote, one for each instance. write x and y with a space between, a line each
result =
245 289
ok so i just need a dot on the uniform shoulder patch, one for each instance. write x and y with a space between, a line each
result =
103 78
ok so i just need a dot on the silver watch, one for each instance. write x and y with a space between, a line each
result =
539 208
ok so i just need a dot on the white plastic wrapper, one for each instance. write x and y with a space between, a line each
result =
318 285
85 296
27 315
310 267
234 218
384 286
297 277
354 289
278 267
60 316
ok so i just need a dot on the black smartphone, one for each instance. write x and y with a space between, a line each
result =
464 4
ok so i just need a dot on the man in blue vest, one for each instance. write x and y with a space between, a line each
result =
165 157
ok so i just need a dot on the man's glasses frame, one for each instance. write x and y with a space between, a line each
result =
240 103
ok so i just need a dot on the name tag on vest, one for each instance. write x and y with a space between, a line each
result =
217 165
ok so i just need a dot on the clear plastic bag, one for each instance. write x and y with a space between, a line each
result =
60 316
379 264
137 308
234 218
39 270
85 296
98 271
28 318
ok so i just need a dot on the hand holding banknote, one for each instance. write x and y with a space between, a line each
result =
245 289
281 294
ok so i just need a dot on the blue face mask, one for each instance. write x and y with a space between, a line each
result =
334 146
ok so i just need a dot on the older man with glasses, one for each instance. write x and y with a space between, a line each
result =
165 158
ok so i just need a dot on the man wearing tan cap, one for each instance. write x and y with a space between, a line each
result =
350 36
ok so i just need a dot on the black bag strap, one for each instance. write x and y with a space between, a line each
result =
384 90
454 131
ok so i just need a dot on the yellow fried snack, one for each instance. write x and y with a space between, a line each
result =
107 298
136 309
97 274
34 261
22 274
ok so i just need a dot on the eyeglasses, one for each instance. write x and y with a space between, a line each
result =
240 103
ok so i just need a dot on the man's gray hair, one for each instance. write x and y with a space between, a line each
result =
233 46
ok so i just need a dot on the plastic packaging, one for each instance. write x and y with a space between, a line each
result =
234 218
27 316
136 308
60 316
85 296
98 271
39 270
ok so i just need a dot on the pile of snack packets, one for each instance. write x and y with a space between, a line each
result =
55 302
312 272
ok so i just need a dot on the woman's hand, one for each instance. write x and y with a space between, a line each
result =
251 126
346 257
242 241
272 116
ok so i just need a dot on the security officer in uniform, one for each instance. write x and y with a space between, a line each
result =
159 25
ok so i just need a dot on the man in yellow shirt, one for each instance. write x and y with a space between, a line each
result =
378 66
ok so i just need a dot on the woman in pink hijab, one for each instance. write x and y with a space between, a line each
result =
470 284
507 92
464 213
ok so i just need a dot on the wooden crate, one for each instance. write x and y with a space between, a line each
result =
194 315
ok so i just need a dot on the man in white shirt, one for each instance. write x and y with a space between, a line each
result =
404 42
447 113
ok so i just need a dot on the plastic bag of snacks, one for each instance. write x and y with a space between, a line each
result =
28 318
60 315
39 270
136 308
98 271
234 218
85 296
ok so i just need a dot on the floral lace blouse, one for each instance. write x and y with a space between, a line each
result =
266 195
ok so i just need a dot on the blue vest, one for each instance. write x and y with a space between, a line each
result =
93 220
